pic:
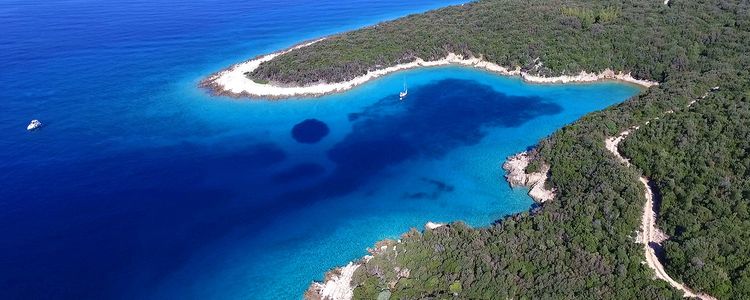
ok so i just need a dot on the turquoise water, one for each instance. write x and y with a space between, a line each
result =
142 186
299 246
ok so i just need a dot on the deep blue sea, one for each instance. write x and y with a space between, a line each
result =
140 185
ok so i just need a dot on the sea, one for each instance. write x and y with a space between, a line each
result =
140 185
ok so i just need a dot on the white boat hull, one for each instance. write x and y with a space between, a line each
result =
35 124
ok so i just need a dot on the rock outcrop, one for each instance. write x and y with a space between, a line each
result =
515 167
336 286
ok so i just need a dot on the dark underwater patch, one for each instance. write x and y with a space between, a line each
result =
439 187
301 171
435 119
353 117
310 131
419 195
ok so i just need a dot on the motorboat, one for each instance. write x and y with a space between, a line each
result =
35 124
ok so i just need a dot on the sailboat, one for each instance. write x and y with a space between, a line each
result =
403 94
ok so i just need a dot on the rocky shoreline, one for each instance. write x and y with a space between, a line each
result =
516 175
337 284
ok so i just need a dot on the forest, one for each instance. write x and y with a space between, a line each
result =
581 244
699 161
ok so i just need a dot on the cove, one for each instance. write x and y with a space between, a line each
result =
386 166
141 185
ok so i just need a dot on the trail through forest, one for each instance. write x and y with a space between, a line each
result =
650 236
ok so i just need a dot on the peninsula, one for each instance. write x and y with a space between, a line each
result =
236 82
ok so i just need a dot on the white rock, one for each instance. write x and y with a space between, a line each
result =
338 287
517 176
431 225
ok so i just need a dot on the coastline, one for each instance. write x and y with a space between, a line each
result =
516 175
337 282
233 82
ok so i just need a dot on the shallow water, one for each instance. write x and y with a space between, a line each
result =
141 185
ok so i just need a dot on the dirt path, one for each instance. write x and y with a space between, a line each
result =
650 236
